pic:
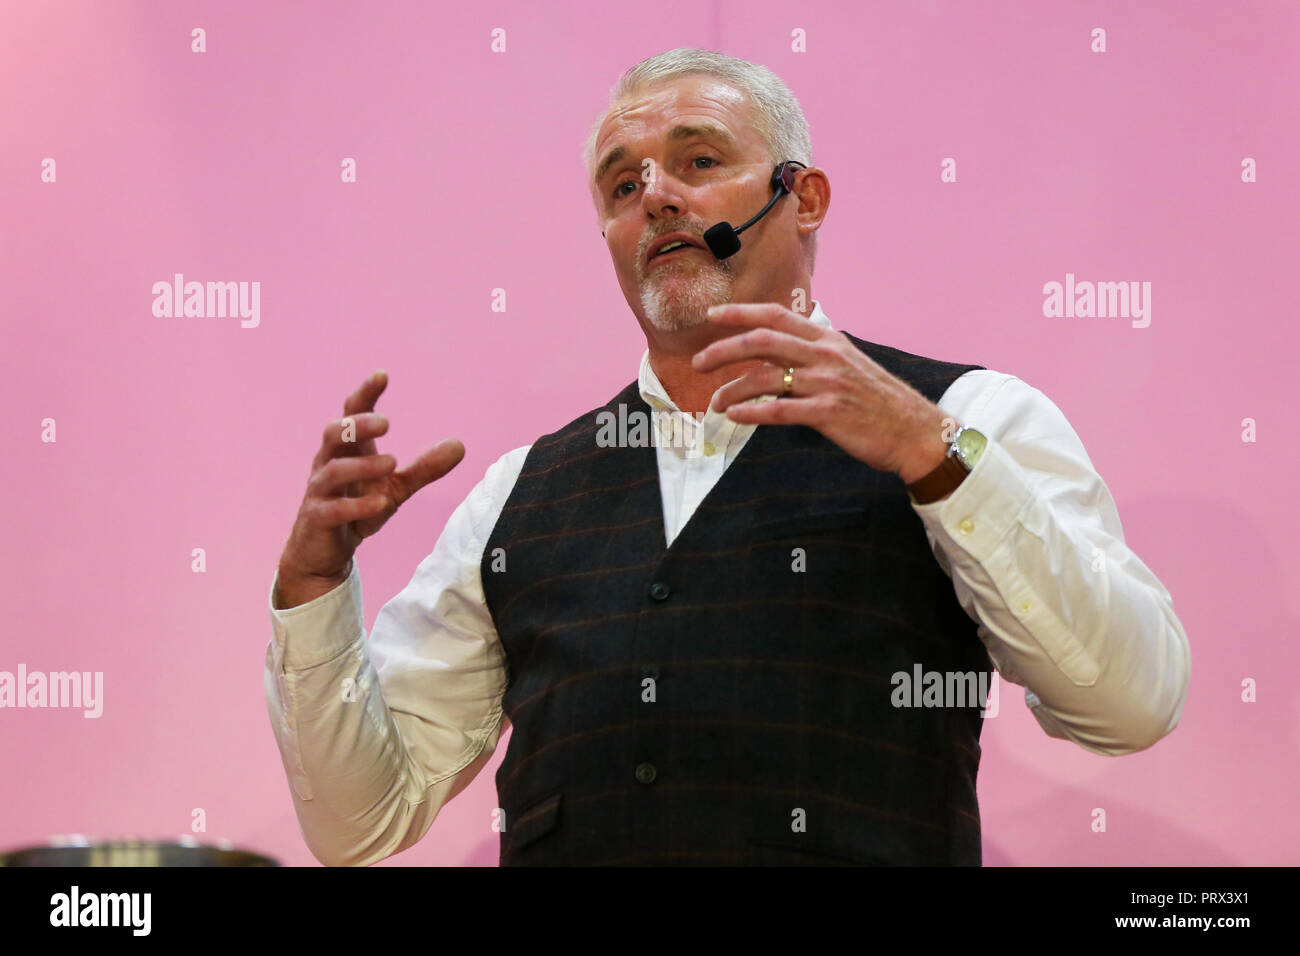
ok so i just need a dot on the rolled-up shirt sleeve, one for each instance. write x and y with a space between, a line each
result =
377 735
1033 544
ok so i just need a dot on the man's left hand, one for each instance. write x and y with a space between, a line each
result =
874 416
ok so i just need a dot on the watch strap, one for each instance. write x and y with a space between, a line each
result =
944 479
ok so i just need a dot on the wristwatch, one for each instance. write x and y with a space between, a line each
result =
965 450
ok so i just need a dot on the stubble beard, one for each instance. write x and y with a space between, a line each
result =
677 295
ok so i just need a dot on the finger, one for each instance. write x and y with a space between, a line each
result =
767 380
360 429
779 348
339 472
787 411
771 315
430 466
363 399
332 512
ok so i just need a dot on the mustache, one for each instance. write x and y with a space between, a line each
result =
683 227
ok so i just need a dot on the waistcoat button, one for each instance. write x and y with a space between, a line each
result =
660 591
645 772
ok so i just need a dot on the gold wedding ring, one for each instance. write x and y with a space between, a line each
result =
789 382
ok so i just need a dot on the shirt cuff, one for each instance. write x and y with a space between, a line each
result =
321 629
980 511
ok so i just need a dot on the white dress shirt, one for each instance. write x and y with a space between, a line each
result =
376 735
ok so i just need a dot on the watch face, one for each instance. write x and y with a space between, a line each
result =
971 445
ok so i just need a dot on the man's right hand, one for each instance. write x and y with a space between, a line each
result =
351 493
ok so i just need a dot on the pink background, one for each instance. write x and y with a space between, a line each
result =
179 433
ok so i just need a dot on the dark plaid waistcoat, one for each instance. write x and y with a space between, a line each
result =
727 700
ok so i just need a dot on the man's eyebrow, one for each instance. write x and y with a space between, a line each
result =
680 131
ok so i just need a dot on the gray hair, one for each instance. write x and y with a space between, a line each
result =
780 120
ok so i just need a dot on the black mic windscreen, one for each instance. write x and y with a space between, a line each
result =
722 240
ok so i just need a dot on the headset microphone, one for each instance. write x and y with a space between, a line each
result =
723 240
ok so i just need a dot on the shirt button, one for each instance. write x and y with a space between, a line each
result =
966 526
1025 606
660 591
710 448
645 772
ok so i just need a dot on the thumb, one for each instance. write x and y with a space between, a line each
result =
430 466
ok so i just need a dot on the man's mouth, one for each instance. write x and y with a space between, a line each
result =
673 249
671 244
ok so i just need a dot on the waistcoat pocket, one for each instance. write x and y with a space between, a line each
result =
533 823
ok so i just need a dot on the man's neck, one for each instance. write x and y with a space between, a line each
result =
691 391
670 358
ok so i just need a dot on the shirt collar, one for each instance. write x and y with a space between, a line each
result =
654 394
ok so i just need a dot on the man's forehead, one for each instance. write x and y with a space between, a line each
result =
673 111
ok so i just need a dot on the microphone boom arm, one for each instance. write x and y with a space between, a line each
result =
723 240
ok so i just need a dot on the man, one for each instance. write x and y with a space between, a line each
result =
706 647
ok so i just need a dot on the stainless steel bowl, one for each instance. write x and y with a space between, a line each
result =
64 851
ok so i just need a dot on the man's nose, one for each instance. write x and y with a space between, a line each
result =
662 194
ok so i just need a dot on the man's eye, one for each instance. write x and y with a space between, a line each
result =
618 190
